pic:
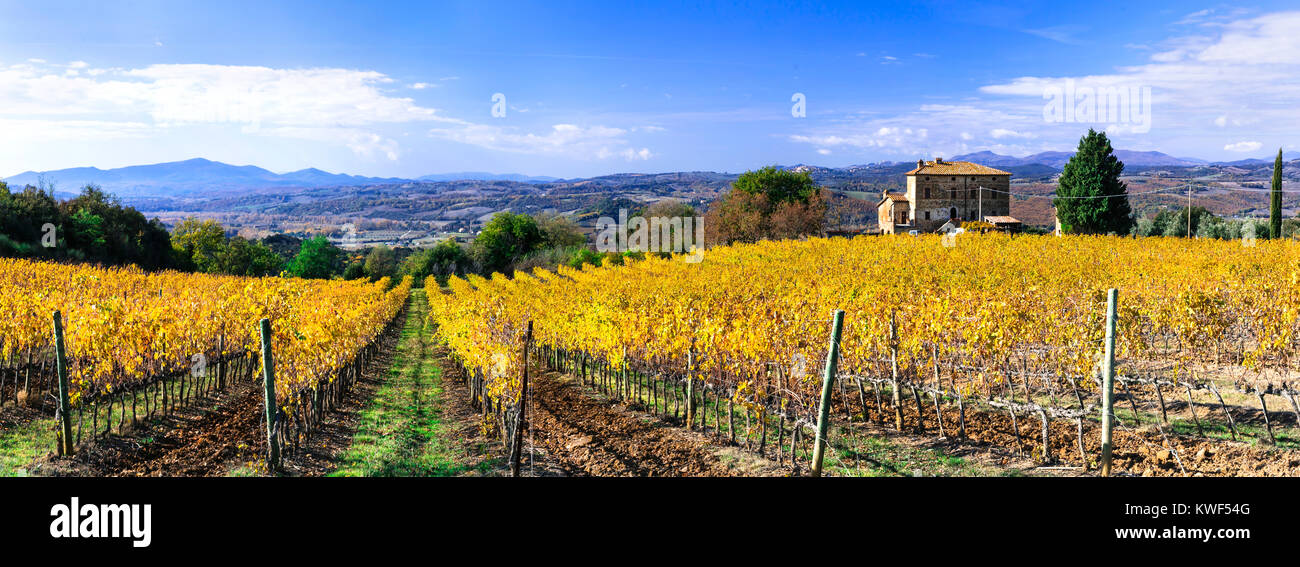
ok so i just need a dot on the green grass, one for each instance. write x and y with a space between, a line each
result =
22 444
401 431
855 454
1215 426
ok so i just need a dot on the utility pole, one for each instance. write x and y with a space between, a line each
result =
981 207
1189 210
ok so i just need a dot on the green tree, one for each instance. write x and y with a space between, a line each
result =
768 203
1275 201
445 258
381 262
241 257
199 243
86 233
778 185
506 238
1172 221
559 231
315 259
1091 199
355 270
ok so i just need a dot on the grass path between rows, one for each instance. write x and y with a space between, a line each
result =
402 431
23 443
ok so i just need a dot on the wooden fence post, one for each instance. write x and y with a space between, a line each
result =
268 376
823 414
690 386
893 370
1108 382
516 449
65 408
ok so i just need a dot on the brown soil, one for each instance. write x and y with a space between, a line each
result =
14 415
1138 450
217 436
580 435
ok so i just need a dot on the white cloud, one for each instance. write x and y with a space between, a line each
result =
1000 133
329 105
75 130
631 154
823 151
1190 77
563 140
923 132
422 86
1243 146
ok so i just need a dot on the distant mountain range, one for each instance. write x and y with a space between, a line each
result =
482 176
205 178
1057 160
200 175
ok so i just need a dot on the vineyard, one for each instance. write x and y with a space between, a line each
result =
953 337
149 343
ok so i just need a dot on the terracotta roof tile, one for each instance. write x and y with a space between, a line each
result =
1002 220
956 168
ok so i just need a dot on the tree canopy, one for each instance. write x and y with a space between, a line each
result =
1091 199
506 237
768 203
92 226
1275 199
316 259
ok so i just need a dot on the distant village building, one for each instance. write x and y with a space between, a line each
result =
941 191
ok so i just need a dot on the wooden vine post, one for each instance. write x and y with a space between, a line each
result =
690 386
516 447
893 370
65 408
268 376
1108 382
823 413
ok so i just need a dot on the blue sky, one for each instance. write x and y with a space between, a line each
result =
406 89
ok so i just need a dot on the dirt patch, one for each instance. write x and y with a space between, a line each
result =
15 415
1138 450
192 442
584 436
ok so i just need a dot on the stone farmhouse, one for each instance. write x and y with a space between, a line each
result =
941 191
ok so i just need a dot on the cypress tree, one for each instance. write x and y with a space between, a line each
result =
1091 199
1275 201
